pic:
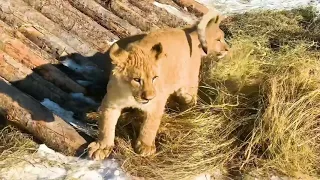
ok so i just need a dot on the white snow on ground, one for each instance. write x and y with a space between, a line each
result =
172 10
240 6
48 164
68 117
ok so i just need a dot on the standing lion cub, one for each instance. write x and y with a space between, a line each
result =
147 69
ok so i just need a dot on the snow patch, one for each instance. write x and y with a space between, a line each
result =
68 117
172 10
56 109
242 6
48 164
77 67
111 42
84 83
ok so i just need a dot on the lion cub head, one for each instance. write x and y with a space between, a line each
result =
216 43
211 36
137 68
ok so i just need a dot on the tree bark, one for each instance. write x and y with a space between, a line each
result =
62 13
162 16
50 43
125 10
193 6
16 49
28 81
17 13
27 113
106 18
171 3
34 47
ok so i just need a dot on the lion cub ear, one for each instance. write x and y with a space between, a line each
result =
117 54
157 51
219 19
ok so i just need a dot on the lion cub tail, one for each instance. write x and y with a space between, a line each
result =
202 25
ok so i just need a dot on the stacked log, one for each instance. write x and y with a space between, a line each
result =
106 18
125 10
36 49
193 6
62 13
161 15
18 14
31 83
25 112
25 55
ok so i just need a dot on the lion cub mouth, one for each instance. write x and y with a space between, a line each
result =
142 101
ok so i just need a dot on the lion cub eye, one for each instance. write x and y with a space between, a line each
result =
154 78
138 80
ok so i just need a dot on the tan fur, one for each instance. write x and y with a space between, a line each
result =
146 70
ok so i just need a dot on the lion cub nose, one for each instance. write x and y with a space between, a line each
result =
146 95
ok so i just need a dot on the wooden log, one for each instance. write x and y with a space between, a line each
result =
31 83
50 43
16 49
193 6
25 112
34 47
106 18
53 45
161 15
62 13
171 3
17 13
28 81
125 10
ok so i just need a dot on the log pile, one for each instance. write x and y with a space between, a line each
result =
53 49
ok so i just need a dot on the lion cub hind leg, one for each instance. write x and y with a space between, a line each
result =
187 97
145 144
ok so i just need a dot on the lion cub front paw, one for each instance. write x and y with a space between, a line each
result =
144 150
98 151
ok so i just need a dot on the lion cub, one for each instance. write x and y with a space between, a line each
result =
147 69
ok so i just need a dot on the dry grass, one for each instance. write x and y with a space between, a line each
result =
258 112
13 146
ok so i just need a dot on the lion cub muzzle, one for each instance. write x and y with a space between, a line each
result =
222 49
147 96
146 93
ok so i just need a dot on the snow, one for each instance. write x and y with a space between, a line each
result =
111 42
70 63
228 7
172 10
84 83
68 117
48 164
240 6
